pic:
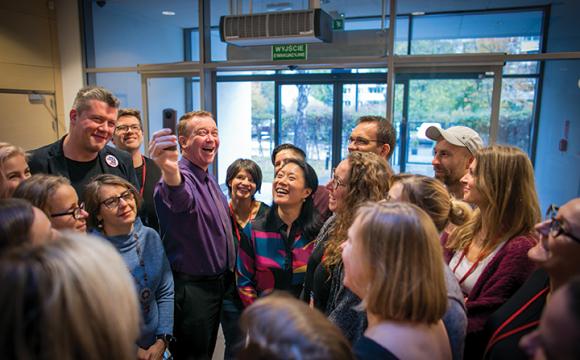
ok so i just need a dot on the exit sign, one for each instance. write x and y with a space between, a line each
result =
289 52
338 24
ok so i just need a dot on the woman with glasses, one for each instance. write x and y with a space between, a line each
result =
432 196
57 198
393 261
276 253
488 254
113 203
556 254
13 168
361 177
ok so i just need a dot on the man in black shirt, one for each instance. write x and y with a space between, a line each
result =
128 136
82 153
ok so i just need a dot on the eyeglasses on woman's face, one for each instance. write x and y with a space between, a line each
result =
114 201
335 181
555 228
76 212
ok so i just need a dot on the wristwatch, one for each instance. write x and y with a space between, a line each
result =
167 338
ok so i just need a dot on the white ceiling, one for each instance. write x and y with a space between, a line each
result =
186 10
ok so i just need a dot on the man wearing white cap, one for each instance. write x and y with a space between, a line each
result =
454 151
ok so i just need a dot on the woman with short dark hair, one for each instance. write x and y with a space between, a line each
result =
275 255
243 179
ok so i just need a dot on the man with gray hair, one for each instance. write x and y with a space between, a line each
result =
82 153
454 151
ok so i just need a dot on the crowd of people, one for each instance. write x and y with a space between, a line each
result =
107 252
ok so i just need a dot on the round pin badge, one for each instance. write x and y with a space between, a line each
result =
111 161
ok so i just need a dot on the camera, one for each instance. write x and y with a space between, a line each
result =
101 3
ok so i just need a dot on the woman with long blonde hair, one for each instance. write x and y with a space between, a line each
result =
432 196
488 254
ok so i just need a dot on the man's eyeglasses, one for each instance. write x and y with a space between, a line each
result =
113 202
556 228
335 182
76 213
125 128
360 141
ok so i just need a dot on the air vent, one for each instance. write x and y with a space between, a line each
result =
287 27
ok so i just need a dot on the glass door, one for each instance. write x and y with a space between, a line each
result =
307 122
443 102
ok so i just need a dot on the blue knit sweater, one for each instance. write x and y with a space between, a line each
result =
158 319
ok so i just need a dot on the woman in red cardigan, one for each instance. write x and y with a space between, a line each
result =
488 254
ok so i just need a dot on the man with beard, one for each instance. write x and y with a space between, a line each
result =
453 153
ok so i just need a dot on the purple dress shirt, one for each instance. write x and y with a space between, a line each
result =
192 231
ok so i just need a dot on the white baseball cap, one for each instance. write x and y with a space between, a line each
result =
458 136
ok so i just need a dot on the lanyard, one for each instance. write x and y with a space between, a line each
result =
236 225
143 175
496 337
469 271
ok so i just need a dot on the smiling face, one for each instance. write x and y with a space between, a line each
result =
64 200
470 192
202 144
117 219
91 129
15 171
128 134
289 186
337 189
450 162
365 136
243 186
355 274
559 255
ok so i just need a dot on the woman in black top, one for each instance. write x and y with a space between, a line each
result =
361 177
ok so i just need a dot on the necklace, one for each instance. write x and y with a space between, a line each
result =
145 291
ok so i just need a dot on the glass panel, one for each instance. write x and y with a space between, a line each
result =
448 103
521 67
368 99
512 32
169 93
307 123
516 112
125 86
148 36
401 32
246 120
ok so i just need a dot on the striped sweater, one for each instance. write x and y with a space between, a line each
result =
271 259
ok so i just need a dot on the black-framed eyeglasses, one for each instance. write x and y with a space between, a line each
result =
77 212
361 141
125 128
556 228
335 182
113 201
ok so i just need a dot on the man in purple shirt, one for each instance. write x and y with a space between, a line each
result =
195 229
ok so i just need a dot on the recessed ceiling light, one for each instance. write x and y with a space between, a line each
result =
418 13
168 13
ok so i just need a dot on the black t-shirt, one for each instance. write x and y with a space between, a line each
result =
317 280
152 176
81 173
